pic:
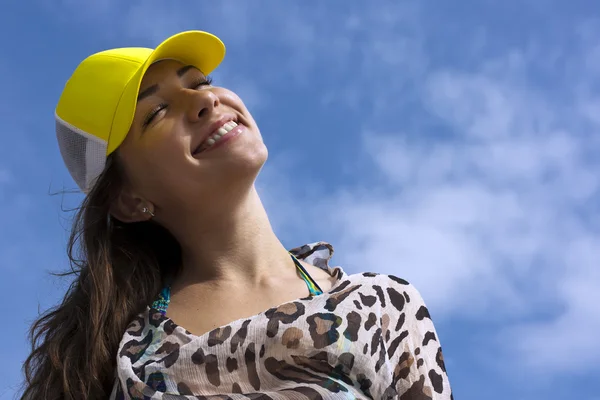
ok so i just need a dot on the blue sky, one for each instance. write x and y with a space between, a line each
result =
455 146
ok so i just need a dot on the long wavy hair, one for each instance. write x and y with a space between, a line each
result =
117 269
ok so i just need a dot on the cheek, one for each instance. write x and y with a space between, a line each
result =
159 161
232 100
166 162
227 96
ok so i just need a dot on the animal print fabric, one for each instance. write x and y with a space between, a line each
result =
369 337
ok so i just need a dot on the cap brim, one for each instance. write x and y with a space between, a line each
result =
200 49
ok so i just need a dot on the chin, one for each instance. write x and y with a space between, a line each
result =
261 155
241 165
254 154
250 165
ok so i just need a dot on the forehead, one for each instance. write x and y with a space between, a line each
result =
164 69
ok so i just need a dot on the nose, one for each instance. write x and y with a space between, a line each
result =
201 103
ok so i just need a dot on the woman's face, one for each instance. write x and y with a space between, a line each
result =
171 155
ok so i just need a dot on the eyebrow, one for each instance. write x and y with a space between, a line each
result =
181 71
150 90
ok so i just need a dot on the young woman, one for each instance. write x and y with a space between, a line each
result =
181 288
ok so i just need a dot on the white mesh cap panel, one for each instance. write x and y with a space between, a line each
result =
83 154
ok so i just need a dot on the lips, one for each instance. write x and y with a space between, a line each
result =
215 130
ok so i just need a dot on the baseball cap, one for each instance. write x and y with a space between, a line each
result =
96 108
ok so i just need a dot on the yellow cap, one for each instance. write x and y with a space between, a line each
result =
97 105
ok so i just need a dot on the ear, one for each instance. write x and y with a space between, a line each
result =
128 208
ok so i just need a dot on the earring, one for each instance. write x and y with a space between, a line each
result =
146 210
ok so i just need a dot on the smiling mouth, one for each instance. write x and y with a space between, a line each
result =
215 137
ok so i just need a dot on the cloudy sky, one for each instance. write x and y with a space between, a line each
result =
455 146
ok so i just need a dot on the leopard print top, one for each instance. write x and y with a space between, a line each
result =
369 337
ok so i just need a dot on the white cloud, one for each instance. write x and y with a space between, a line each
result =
496 219
570 341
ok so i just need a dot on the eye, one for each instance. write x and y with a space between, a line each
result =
202 82
152 114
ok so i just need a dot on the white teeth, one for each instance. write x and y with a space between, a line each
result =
220 133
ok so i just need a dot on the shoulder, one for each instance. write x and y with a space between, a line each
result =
390 292
384 281
397 307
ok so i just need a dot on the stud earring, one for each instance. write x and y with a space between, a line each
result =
146 210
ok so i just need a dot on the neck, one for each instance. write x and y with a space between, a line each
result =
237 245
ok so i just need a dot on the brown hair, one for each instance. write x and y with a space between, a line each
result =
118 269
